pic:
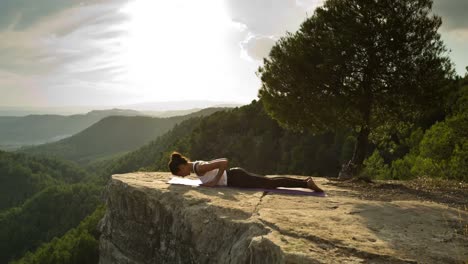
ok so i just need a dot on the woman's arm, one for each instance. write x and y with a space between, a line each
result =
220 164
211 165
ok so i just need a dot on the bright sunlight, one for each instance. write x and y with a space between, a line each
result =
177 47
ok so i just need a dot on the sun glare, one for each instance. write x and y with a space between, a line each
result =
176 46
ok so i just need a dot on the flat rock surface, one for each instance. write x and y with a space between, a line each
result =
345 227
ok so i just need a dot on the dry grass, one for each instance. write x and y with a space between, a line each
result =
433 183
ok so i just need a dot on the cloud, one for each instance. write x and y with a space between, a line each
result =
67 34
453 13
59 43
454 30
267 20
18 15
257 47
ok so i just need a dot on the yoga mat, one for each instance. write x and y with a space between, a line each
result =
184 181
283 190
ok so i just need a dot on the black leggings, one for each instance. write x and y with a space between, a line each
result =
238 177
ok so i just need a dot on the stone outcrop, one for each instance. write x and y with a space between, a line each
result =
150 221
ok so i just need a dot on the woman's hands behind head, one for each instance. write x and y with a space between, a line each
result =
202 168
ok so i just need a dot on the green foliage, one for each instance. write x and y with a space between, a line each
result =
414 140
375 167
460 101
79 245
357 64
389 139
401 168
49 213
441 153
354 57
427 167
50 196
443 142
21 176
458 164
438 142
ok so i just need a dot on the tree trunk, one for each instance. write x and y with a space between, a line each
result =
355 165
360 149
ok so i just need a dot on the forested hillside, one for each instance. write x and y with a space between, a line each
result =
248 137
41 198
22 176
78 245
111 136
49 213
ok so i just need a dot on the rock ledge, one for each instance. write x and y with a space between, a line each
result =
150 221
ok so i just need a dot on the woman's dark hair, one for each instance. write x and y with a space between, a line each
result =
176 160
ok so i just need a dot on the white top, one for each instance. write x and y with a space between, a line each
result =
210 175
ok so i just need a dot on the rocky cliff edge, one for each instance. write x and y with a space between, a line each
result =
150 221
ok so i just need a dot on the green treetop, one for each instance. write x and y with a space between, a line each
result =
359 64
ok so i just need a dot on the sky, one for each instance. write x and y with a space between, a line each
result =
116 52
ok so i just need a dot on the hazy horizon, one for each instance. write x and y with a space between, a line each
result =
120 52
154 106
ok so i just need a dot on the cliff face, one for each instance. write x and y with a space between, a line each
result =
149 221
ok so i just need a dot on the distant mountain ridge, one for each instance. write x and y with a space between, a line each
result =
179 105
38 129
154 106
112 136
